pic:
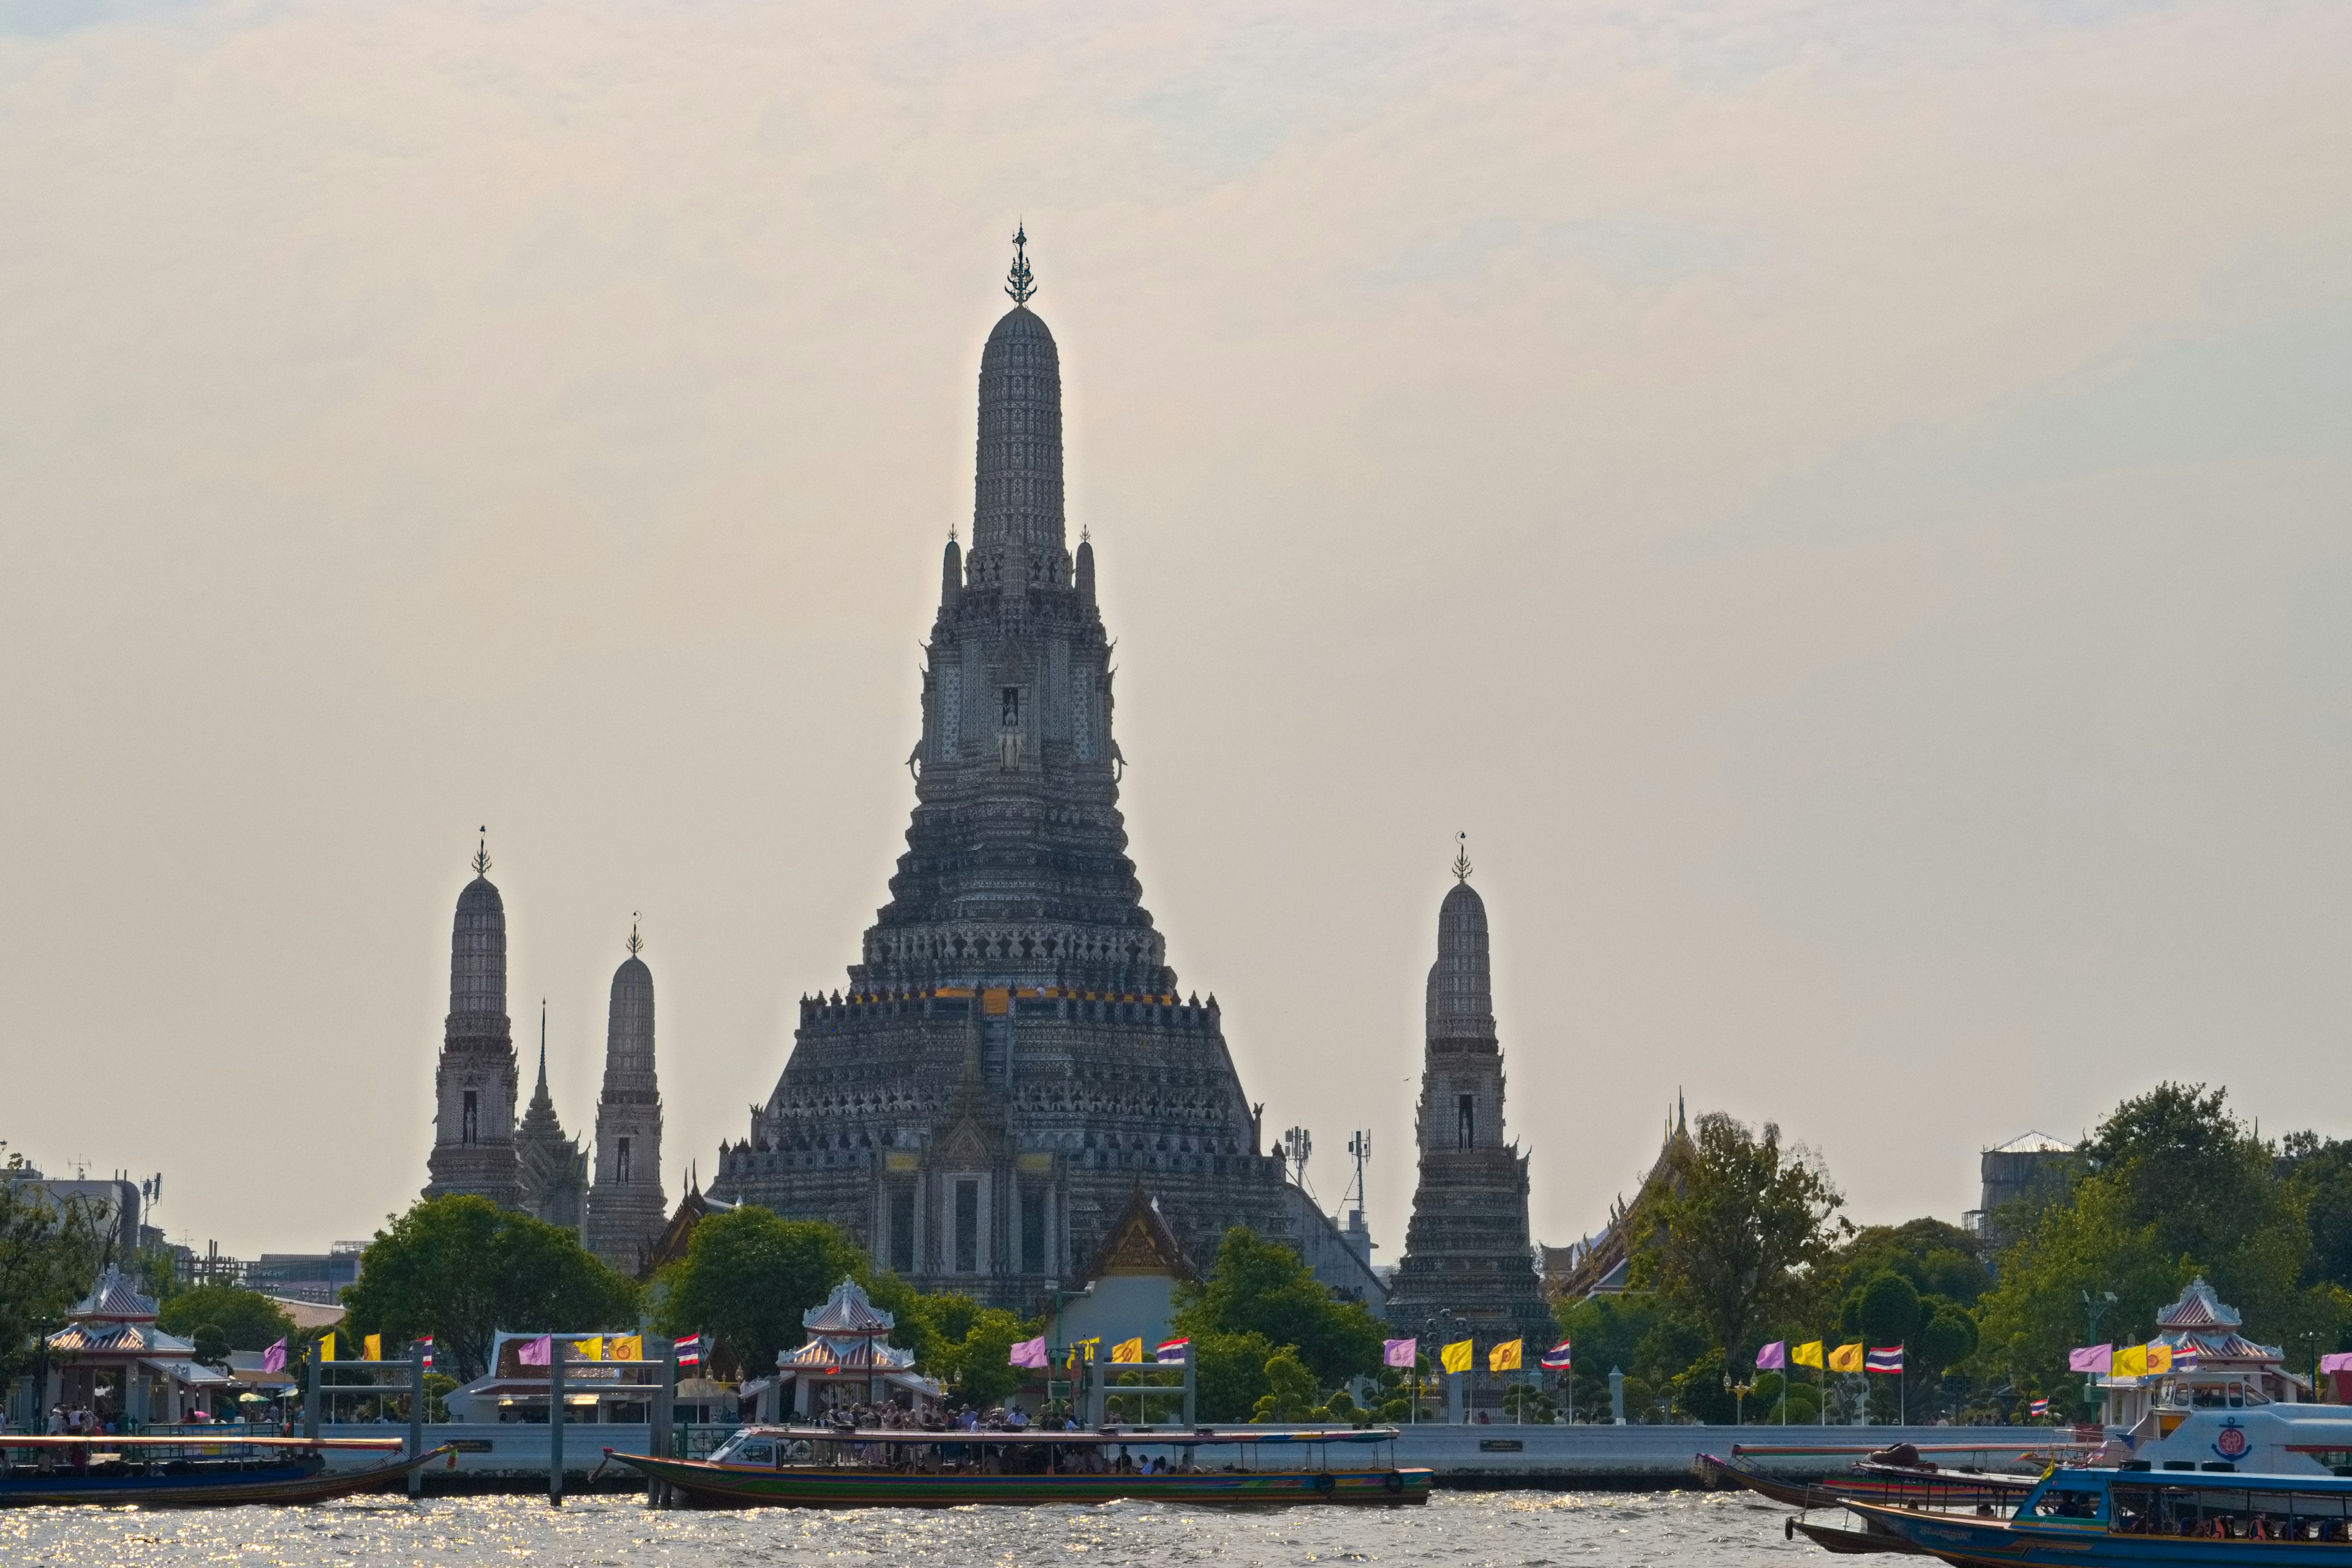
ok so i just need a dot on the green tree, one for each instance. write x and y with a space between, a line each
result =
1229 1374
977 1364
49 1252
1884 1311
1724 1242
460 1269
245 1319
1290 1390
1259 1287
748 1276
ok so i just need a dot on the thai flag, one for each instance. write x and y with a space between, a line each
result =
1558 1358
689 1351
2040 1407
1173 1349
1889 1360
424 1346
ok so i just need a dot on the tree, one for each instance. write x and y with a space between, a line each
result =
748 1276
1740 1216
1229 1374
49 1252
1259 1287
1884 1311
461 1268
245 1319
1290 1390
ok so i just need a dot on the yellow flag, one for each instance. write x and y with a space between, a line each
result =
1083 1351
371 1348
625 1347
1846 1358
1128 1349
327 1346
590 1349
1807 1355
1454 1357
2130 1361
2159 1356
1504 1357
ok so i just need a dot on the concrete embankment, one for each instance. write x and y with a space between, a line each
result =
514 1456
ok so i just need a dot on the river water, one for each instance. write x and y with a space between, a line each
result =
1460 1530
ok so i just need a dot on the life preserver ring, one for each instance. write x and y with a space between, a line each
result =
1325 1482
1395 1482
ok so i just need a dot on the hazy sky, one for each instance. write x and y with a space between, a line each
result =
1845 504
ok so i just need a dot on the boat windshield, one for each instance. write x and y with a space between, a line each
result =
745 1449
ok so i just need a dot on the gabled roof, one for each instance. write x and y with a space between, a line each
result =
113 1297
2199 1308
113 1337
847 1311
1140 1242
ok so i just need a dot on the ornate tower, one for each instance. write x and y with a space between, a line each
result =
473 1086
1011 1057
626 1210
1466 1247
551 1170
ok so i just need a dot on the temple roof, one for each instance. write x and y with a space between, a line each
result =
2034 1144
114 1297
846 1353
847 1311
2199 1308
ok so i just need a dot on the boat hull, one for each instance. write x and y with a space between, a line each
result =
198 1486
728 1486
1996 1544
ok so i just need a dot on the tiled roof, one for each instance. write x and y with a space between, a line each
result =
113 1297
854 1353
2199 1308
847 1311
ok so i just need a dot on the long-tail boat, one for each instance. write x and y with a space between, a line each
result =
202 1471
795 1467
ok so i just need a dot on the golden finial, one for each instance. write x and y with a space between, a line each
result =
1020 283
482 855
1462 859
637 942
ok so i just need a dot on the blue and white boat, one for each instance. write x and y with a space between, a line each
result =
2223 1458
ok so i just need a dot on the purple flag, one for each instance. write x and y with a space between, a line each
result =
1029 1352
2091 1358
274 1358
2335 1361
1773 1357
1399 1353
534 1352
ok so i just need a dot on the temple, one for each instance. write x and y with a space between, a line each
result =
627 1211
551 1169
474 1085
1467 1265
1012 1056
535 1167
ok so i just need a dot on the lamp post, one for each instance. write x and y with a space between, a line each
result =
1443 1325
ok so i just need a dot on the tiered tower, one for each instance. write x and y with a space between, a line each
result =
1465 1249
626 1210
474 1085
551 1170
1011 1057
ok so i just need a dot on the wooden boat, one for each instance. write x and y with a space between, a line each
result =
191 1472
1902 1476
790 1467
1847 1543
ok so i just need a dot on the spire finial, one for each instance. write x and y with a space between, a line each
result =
1020 283
637 942
543 1044
1461 857
482 854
